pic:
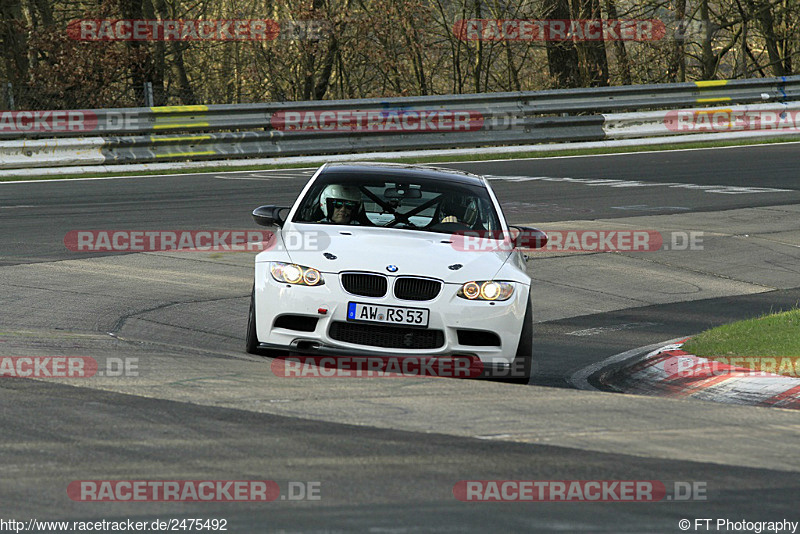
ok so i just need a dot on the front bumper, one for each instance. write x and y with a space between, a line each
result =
449 314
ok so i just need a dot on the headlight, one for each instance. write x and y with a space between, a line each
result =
486 290
295 274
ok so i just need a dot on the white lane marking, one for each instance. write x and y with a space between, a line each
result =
645 207
719 189
266 177
199 171
15 207
493 436
242 178
610 328
611 155
580 379
281 174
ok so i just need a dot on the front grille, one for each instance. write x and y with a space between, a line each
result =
364 284
410 288
391 337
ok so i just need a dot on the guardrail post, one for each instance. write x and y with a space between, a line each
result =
10 96
148 95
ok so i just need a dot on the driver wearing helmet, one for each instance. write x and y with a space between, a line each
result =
340 203
460 210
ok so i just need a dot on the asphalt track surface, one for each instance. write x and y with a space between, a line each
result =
387 453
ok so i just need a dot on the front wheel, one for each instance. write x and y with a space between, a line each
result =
523 361
251 341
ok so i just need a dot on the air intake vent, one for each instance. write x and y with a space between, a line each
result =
478 338
364 284
301 323
393 337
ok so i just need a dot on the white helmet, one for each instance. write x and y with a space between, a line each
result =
464 208
347 193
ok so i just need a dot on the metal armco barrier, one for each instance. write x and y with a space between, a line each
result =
277 143
175 133
51 152
660 123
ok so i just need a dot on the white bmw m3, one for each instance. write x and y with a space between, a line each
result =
395 261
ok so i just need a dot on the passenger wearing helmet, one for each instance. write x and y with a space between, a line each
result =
340 203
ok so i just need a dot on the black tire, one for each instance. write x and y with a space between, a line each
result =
523 361
251 341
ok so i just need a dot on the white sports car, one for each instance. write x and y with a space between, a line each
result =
395 261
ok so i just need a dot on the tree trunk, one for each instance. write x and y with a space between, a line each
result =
140 63
15 42
478 65
327 69
159 10
707 59
741 64
592 54
619 47
762 12
562 57
43 10
513 72
676 67
313 87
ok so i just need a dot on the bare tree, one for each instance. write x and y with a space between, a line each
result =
15 42
562 57
592 59
619 46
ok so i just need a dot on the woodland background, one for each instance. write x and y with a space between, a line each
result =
377 48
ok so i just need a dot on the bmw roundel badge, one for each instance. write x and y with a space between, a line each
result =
391 268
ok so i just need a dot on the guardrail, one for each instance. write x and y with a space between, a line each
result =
784 118
177 133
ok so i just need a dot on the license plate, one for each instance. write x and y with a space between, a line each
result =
357 311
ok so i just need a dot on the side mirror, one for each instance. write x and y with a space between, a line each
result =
270 215
527 237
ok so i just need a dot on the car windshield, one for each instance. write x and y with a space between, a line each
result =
417 204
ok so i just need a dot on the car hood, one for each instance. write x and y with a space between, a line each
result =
413 252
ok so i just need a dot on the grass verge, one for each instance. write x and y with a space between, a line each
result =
771 336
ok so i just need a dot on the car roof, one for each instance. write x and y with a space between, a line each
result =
401 171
